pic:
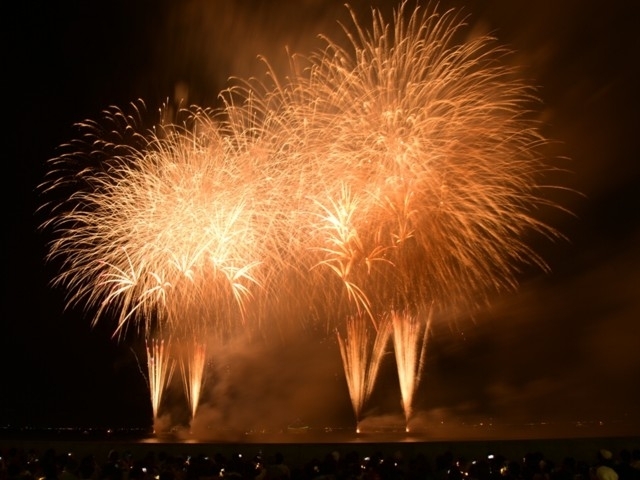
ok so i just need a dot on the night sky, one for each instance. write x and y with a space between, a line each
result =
562 349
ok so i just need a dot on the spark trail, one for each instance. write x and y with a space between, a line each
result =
437 151
362 349
410 335
160 366
160 224
192 369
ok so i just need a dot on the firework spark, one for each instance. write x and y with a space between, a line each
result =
159 227
160 366
192 368
362 350
410 334
439 154
396 169
424 165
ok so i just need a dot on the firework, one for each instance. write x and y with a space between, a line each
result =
165 226
192 368
398 169
362 349
410 334
424 172
441 159
164 229
160 367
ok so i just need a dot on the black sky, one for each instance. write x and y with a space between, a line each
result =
563 348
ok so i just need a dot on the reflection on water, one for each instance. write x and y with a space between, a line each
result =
451 433
369 433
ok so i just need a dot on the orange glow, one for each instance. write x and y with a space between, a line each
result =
398 171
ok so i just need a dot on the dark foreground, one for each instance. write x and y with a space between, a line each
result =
300 448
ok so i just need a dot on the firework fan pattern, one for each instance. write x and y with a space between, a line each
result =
397 171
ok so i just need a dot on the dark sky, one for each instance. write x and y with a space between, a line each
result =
563 348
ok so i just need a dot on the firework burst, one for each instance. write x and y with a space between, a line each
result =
424 170
166 226
435 144
398 169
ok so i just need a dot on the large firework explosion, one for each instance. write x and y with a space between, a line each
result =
398 171
427 162
422 165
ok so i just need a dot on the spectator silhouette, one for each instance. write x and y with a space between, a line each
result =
603 470
624 467
277 469
112 470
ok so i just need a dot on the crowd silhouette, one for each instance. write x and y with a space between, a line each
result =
28 464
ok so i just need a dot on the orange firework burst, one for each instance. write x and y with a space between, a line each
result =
423 164
434 141
167 228
397 172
